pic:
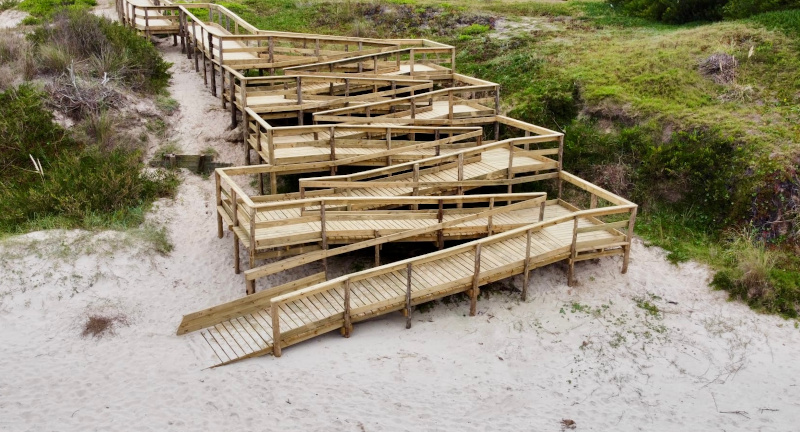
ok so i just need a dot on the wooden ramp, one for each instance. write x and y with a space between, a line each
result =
248 327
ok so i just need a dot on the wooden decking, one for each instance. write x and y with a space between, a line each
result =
429 157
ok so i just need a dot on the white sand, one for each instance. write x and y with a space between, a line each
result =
516 366
11 18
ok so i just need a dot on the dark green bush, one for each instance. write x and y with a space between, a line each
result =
92 182
673 11
747 8
77 183
683 11
108 46
27 130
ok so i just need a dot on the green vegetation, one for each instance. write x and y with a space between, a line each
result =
99 48
70 184
676 11
8 4
40 10
90 176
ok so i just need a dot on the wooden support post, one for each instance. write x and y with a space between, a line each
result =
450 105
217 181
473 294
232 92
276 329
348 324
181 31
146 24
388 145
271 50
440 233
490 222
436 138
324 233
460 189
236 267
332 144
629 239
415 192
527 267
193 42
560 165
253 245
213 71
377 234
273 176
593 202
541 211
573 253
409 271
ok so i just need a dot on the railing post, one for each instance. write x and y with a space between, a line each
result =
211 63
490 222
527 267
440 218
450 103
276 330
218 182
573 253
377 234
271 49
232 92
593 202
273 177
460 189
235 217
253 248
629 237
388 145
473 294
409 270
324 233
348 324
510 167
332 145
560 164
415 179
541 210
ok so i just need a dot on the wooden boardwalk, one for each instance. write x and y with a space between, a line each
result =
248 327
429 156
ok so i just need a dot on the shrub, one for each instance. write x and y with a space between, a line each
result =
751 274
106 47
673 11
747 8
28 130
91 182
683 11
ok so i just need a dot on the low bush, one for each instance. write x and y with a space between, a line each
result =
100 48
751 273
